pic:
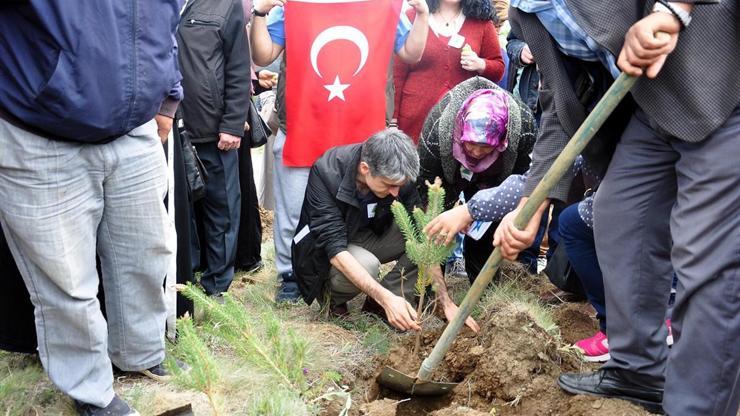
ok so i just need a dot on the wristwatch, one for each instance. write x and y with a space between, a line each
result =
682 15
258 13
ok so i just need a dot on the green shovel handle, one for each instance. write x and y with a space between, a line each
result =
575 146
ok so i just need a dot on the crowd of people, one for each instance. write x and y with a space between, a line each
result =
482 94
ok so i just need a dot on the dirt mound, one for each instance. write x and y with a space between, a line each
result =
576 321
509 369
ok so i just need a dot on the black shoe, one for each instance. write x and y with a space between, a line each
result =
253 268
618 384
160 373
288 290
116 407
338 311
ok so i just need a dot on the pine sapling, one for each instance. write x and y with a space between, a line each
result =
423 252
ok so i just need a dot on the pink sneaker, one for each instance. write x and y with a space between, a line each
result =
594 349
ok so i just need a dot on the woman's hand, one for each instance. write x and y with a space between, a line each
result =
448 224
470 60
450 310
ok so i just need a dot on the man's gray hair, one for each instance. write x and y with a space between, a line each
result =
391 154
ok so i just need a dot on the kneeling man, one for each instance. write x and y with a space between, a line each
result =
346 230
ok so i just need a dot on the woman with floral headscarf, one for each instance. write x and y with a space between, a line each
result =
475 138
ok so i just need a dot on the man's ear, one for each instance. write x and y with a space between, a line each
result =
364 168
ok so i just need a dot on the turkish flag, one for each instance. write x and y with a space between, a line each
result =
337 57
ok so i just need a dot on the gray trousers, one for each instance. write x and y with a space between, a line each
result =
371 251
666 205
290 188
62 202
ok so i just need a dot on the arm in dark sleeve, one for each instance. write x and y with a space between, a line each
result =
514 48
550 142
237 75
325 218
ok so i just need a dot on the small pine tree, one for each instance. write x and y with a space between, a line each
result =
203 374
422 251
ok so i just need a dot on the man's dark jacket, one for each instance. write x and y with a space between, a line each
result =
216 68
87 71
693 95
332 212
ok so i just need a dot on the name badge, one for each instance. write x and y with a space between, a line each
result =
477 229
466 173
371 210
301 234
456 41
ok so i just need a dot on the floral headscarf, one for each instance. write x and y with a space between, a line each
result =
482 119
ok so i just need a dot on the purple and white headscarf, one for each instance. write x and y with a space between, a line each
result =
482 119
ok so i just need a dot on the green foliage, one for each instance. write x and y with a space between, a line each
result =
261 339
423 252
203 374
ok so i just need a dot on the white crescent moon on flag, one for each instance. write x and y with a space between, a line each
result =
333 33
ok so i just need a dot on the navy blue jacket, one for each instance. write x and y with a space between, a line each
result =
88 70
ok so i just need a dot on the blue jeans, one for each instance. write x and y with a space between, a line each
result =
62 202
578 239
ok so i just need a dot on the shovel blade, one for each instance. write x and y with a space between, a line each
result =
402 383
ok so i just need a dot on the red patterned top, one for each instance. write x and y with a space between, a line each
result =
420 86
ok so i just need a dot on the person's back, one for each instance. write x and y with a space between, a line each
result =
128 71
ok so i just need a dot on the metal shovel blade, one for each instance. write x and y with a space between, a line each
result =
402 383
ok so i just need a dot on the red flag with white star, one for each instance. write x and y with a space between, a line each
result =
338 52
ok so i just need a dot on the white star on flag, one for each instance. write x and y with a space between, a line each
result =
336 90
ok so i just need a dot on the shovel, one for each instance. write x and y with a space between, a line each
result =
421 384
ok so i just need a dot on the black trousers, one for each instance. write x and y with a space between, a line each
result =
249 241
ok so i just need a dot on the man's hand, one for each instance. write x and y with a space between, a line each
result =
228 142
400 313
471 62
448 224
267 79
420 6
526 55
648 43
510 239
164 125
264 6
450 310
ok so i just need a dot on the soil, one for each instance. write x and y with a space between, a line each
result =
509 369
576 321
266 217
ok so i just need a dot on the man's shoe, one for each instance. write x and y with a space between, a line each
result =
595 349
116 407
160 373
618 384
254 268
288 290
338 311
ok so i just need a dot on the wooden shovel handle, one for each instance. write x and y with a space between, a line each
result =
575 146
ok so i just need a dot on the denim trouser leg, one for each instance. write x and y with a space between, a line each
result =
578 239
221 215
61 201
290 188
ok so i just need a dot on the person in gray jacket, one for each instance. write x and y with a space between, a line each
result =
216 69
670 199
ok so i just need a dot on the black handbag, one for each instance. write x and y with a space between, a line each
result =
561 273
195 171
259 131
